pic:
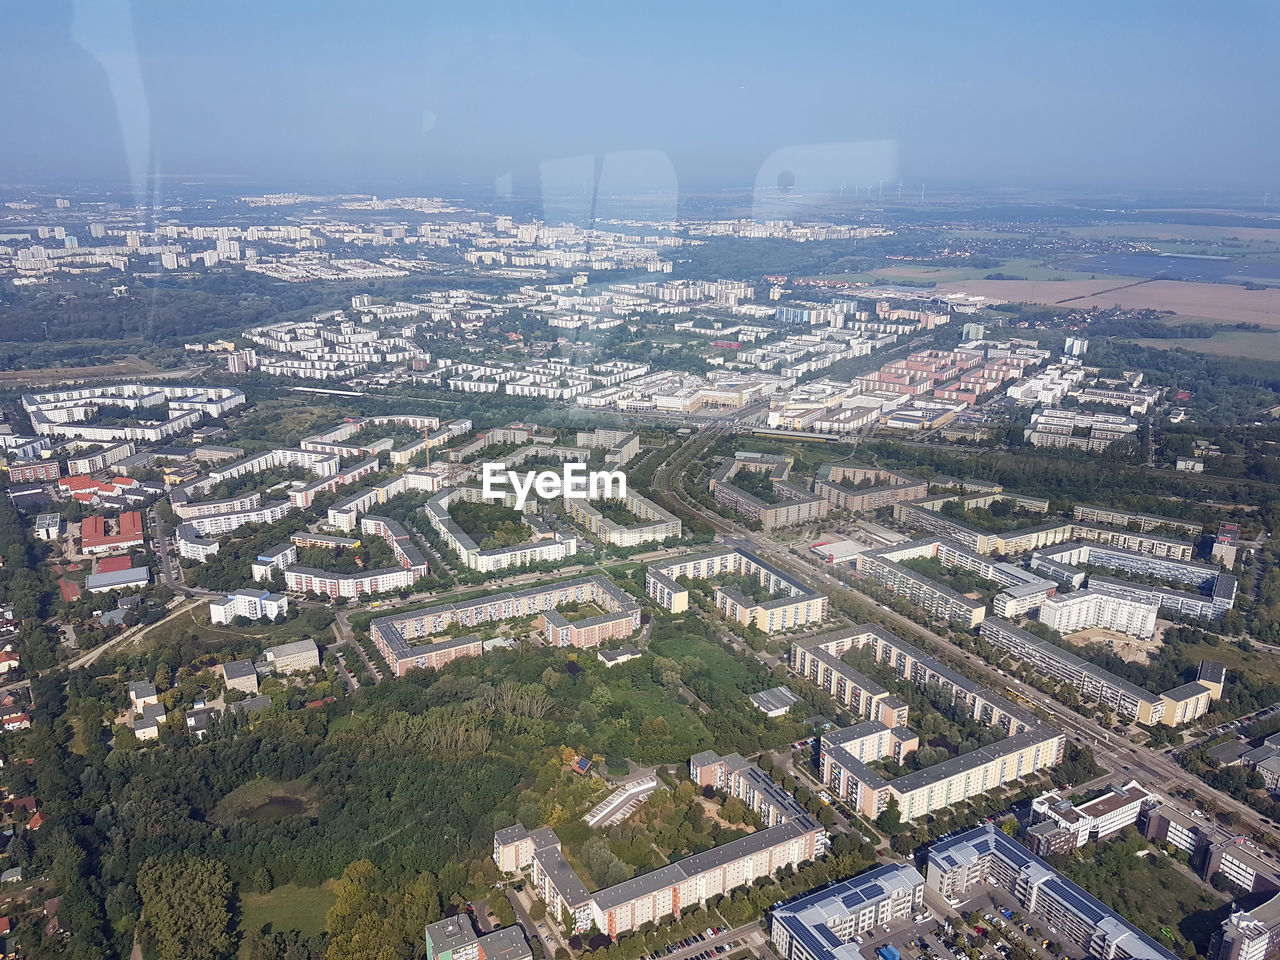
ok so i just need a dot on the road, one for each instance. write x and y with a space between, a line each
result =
531 929
161 543
1158 771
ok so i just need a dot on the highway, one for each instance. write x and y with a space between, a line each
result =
1157 771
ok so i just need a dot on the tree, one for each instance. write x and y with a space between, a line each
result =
186 911
890 818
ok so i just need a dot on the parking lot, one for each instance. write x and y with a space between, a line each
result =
911 938
988 902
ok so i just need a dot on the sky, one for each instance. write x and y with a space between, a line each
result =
572 99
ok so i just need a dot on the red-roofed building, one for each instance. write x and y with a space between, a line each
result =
94 537
112 564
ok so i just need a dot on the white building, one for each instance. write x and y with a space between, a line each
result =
254 604
1082 609
293 657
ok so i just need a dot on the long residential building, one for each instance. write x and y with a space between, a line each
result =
839 485
1143 521
304 496
664 892
656 524
884 566
1216 604
99 459
1029 746
64 412
822 924
798 606
220 523
187 509
987 855
1172 708
412 566
927 515
548 546
395 635
790 506
1086 609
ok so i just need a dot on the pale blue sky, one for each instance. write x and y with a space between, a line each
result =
372 95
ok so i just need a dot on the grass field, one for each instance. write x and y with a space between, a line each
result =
1217 302
120 368
197 621
285 908
1264 345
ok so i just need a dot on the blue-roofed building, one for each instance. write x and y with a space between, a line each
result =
985 854
821 925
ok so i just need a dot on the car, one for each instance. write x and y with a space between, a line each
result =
858 941
885 928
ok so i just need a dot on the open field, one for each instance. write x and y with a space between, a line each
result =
120 368
1220 302
286 908
1263 345
1260 237
197 621
1033 270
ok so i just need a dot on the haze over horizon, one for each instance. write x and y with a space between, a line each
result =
1141 96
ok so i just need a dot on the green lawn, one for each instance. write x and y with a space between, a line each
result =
285 908
196 621
1257 345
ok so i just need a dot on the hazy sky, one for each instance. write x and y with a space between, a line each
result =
686 96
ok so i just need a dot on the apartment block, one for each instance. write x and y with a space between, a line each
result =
1085 609
1172 708
292 657
663 892
1144 522
254 604
395 635
986 855
656 524
741 778
821 925
790 506
798 606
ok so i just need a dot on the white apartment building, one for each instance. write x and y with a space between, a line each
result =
1083 609
254 604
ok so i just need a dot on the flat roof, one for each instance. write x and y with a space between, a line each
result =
774 699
